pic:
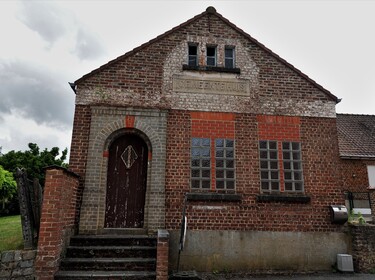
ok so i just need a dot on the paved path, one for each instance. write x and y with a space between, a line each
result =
317 276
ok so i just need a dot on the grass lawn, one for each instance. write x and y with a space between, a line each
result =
10 233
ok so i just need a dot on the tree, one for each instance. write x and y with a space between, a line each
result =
33 161
8 186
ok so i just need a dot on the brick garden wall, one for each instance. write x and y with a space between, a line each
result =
363 248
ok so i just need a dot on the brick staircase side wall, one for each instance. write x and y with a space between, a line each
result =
162 255
57 220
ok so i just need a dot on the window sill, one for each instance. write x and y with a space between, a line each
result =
214 197
211 69
283 198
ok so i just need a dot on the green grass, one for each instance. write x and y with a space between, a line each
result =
10 233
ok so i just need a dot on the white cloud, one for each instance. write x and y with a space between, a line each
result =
45 18
17 132
46 44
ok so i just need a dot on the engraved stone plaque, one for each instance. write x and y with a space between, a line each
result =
223 86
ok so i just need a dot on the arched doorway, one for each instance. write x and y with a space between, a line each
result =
126 182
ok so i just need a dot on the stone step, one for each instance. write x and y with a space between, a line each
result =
113 240
109 256
111 252
101 275
107 264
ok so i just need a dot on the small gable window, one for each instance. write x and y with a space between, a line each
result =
229 57
193 55
211 55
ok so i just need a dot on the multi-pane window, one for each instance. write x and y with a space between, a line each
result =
272 167
222 171
193 55
269 170
229 57
224 153
292 165
200 163
211 55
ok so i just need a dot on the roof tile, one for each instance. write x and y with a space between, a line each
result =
356 135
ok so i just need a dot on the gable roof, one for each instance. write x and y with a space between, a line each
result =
356 135
212 11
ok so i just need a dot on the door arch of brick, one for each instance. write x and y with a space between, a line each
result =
105 127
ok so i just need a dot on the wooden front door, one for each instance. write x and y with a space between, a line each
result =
126 182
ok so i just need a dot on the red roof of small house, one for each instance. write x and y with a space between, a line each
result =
356 135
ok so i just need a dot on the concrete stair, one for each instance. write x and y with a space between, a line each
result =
109 257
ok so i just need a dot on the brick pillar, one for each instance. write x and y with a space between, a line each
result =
57 220
162 255
372 202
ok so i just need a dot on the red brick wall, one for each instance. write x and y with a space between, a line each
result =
354 174
280 128
177 165
79 148
321 177
212 125
57 220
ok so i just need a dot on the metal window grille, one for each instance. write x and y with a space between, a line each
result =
358 199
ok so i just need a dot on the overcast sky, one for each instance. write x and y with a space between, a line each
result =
46 44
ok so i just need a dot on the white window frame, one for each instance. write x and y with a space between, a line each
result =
371 176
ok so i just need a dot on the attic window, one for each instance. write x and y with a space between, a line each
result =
211 56
193 55
229 57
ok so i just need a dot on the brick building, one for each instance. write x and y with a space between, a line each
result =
356 135
207 117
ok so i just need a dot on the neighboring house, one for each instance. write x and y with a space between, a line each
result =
206 114
356 134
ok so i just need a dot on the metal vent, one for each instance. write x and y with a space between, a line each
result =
345 263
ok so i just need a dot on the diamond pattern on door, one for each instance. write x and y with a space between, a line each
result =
129 156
